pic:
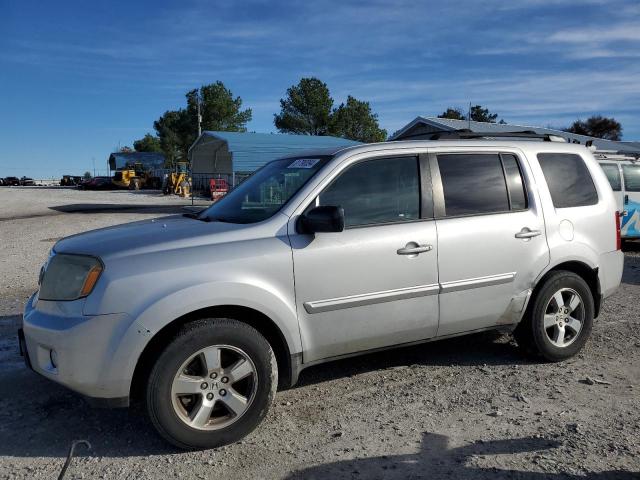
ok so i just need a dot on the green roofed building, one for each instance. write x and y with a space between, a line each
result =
234 155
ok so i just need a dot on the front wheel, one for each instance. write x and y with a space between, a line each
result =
559 321
212 385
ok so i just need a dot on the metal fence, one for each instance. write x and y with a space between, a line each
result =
200 181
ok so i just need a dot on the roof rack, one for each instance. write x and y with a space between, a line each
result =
466 134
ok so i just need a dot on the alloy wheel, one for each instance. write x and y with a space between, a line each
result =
214 387
564 317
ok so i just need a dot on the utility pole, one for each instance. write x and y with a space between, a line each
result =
93 159
199 133
469 116
199 115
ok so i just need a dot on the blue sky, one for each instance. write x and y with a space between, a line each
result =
79 78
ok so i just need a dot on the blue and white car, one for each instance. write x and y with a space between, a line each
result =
623 173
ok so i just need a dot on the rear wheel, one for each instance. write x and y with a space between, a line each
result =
559 321
212 385
135 184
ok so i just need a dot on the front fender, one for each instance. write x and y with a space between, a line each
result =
187 300
257 297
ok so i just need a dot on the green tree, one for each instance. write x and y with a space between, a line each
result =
479 114
356 121
599 127
177 129
173 132
452 113
219 109
149 143
87 175
476 113
306 109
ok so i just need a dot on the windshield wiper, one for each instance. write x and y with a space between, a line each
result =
196 216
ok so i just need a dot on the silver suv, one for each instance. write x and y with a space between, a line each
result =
322 256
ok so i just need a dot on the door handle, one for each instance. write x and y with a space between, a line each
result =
527 233
407 250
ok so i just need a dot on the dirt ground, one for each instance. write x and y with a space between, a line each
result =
471 407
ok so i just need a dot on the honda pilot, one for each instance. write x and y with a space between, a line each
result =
323 256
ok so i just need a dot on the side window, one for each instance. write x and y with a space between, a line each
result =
569 180
473 184
515 185
631 177
613 175
384 190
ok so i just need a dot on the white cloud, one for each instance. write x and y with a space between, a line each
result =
527 97
603 33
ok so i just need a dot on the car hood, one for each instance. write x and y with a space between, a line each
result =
165 233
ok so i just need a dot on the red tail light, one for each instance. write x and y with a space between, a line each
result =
618 236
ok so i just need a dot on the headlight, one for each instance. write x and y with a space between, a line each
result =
69 277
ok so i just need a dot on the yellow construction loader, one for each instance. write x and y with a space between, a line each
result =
178 182
135 177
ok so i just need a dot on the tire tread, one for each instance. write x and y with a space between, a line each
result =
192 328
532 340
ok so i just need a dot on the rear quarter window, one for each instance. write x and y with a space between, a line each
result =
568 179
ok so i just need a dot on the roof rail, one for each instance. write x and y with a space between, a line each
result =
621 155
466 134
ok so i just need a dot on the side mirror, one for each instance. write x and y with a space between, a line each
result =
327 218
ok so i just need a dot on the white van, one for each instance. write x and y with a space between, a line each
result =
623 173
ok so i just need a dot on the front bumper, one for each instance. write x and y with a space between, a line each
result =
92 355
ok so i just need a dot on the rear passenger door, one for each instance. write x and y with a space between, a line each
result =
491 238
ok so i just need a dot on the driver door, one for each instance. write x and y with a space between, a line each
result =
362 289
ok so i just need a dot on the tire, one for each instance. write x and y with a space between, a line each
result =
134 184
219 425
568 326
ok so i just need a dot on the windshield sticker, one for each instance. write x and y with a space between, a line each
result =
304 163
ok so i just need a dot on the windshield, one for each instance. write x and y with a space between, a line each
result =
265 192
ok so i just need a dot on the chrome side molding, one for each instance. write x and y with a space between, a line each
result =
319 306
477 282
370 298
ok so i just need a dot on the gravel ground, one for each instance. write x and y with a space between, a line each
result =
471 407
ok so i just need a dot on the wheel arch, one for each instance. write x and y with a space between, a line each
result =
588 273
288 364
